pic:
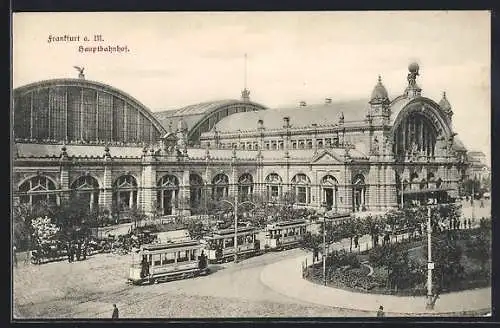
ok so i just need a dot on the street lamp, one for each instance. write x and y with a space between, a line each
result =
324 250
322 211
430 265
235 210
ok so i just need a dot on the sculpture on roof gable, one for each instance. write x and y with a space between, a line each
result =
341 118
80 72
412 75
64 153
106 152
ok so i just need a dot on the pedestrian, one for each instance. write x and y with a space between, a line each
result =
78 250
356 241
115 312
380 312
84 250
470 223
14 253
29 254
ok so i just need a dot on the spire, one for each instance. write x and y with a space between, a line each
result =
245 80
445 104
245 93
379 93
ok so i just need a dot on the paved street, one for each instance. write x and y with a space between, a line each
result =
88 289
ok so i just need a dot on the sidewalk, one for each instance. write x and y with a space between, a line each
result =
285 277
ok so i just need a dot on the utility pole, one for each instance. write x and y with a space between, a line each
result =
472 197
430 264
235 228
402 189
324 250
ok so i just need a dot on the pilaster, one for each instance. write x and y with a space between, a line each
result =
148 193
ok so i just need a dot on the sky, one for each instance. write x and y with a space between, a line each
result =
178 59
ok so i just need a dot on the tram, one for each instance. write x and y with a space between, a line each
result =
220 245
282 235
168 261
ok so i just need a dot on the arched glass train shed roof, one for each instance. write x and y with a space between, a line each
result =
202 117
79 110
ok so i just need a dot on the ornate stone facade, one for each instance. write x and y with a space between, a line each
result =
353 156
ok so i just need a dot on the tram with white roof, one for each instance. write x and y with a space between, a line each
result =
168 261
219 246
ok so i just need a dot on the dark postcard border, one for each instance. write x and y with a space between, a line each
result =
179 5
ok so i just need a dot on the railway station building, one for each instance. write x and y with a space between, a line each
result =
76 136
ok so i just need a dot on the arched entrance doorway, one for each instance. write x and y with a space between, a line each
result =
329 188
195 191
168 194
245 187
274 187
220 186
86 188
125 193
358 193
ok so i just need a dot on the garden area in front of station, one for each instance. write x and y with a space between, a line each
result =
461 256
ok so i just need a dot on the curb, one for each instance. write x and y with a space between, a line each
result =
297 294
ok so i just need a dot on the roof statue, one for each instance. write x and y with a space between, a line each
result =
412 76
80 71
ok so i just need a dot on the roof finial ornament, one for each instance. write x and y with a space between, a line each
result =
80 70
341 118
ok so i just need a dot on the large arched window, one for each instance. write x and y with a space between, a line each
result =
125 193
329 186
302 188
37 189
414 183
195 190
220 186
415 136
168 194
87 189
274 188
245 186
358 193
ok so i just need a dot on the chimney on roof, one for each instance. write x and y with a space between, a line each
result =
328 101
286 122
302 103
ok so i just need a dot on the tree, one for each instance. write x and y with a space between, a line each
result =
351 228
22 215
373 227
448 269
195 229
311 241
479 248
